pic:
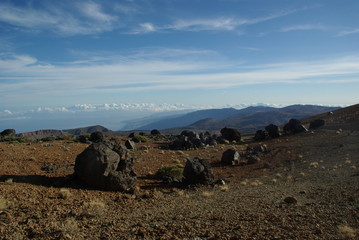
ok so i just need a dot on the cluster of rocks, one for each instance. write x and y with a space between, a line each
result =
250 156
106 165
292 127
192 140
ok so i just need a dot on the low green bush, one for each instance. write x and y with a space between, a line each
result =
173 171
139 138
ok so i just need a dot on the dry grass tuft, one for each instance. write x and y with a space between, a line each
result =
94 208
69 227
64 193
278 175
314 164
3 203
256 183
224 188
347 232
244 182
207 194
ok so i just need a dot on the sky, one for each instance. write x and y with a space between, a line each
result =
159 55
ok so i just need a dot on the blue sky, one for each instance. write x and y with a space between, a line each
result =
58 54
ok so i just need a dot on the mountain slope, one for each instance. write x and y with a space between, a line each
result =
189 118
253 118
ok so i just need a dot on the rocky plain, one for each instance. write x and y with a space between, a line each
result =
290 185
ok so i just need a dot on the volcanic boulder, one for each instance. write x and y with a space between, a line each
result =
230 157
294 126
273 131
260 135
155 132
106 165
197 171
130 145
231 134
97 137
316 123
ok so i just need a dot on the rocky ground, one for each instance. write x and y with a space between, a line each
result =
307 187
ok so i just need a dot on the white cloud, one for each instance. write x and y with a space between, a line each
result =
95 12
348 32
23 76
7 112
304 27
87 18
145 28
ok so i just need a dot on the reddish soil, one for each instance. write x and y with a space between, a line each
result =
319 170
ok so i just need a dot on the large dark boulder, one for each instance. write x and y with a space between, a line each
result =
316 123
97 137
294 126
273 131
130 145
231 134
260 135
230 157
8 132
188 140
155 132
197 171
106 165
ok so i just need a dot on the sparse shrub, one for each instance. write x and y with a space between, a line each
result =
48 139
69 137
172 171
13 139
139 138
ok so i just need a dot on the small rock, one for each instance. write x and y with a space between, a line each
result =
290 200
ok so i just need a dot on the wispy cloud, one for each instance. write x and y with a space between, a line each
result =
348 32
85 18
208 24
304 27
22 76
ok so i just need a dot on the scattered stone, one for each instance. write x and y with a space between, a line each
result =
273 131
253 159
106 165
130 145
290 200
316 123
231 134
260 149
230 157
198 171
294 126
